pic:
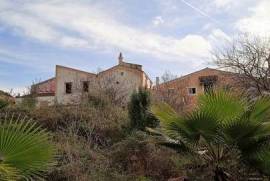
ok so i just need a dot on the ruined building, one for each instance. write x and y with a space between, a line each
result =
69 85
183 92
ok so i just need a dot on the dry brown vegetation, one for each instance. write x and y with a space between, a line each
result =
95 143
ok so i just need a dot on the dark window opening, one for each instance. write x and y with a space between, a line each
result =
227 87
117 82
171 91
122 73
208 87
192 91
68 87
85 86
208 82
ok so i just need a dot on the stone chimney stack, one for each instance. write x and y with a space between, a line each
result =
120 58
157 81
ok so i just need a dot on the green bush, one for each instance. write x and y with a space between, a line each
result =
3 103
28 102
138 110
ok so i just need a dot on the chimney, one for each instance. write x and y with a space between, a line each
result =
120 58
157 81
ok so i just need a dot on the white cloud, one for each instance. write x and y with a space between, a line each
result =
258 22
224 3
14 90
158 20
82 25
219 37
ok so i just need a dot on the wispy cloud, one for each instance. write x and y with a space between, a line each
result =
158 20
201 12
82 25
224 3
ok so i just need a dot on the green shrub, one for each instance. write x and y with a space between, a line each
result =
3 103
138 109
28 102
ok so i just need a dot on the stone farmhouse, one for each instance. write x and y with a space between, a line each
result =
70 85
184 91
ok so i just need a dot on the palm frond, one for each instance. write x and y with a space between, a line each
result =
25 147
260 110
224 105
259 159
201 124
8 173
164 113
221 123
170 122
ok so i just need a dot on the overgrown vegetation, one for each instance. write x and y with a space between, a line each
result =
226 132
108 142
5 99
3 103
139 110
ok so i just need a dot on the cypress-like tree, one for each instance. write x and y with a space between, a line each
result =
138 108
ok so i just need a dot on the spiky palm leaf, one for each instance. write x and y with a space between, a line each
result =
222 123
25 150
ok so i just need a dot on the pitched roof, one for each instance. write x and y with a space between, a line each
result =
73 69
192 73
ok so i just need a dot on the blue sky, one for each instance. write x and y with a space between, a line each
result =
174 35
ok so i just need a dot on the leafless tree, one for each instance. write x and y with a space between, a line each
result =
174 95
107 89
249 58
167 76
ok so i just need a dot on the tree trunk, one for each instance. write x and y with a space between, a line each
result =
220 175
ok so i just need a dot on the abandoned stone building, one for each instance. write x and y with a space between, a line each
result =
183 91
69 85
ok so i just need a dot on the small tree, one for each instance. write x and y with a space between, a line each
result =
168 76
249 58
172 94
138 109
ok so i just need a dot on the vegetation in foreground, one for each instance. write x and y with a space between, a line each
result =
25 150
99 142
223 129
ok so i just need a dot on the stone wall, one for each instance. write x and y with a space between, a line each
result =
123 79
76 78
180 86
45 87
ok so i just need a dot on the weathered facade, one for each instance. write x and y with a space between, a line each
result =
69 85
184 91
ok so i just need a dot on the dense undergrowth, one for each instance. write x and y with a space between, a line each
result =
97 142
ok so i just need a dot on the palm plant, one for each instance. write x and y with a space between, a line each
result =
25 150
222 125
